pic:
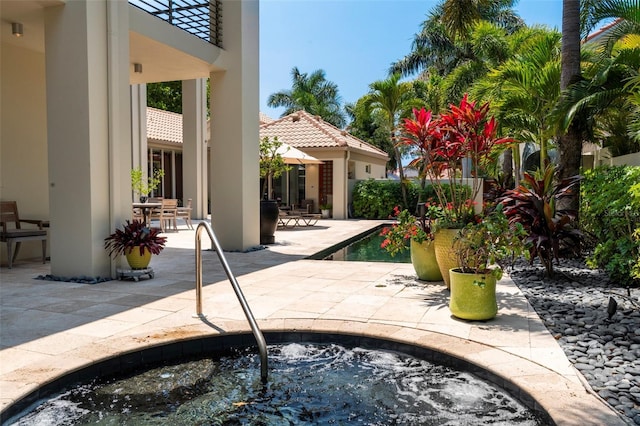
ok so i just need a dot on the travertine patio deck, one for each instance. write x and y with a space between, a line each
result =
50 328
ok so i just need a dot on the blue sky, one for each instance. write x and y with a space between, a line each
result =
353 41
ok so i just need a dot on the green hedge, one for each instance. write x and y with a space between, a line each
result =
375 199
610 213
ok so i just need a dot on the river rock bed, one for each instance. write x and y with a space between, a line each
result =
575 307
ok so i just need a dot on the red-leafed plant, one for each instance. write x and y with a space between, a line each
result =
534 204
439 147
134 234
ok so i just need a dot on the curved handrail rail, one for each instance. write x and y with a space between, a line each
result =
262 345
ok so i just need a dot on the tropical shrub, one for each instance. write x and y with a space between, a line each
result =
610 214
536 205
376 199
491 239
439 147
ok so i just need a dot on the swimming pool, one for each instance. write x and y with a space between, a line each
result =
313 380
364 247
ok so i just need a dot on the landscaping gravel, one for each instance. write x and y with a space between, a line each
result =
574 306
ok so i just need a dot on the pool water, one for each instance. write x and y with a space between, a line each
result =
308 384
367 249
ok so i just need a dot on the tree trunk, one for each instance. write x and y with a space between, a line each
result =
403 183
507 167
570 145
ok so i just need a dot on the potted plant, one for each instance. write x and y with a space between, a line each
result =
272 165
325 210
440 146
142 186
418 233
137 242
480 247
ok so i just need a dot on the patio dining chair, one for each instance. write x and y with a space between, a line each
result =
185 213
166 214
11 231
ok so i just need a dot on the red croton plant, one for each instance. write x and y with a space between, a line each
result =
440 145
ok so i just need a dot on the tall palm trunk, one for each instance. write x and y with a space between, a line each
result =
403 183
570 145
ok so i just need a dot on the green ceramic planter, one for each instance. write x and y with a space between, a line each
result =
423 258
445 253
473 296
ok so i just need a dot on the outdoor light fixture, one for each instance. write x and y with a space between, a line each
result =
16 29
137 68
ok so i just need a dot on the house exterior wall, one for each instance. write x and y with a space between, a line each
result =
368 167
343 162
626 160
65 127
311 190
23 137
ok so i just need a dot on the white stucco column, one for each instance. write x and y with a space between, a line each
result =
89 131
235 180
340 171
139 152
194 147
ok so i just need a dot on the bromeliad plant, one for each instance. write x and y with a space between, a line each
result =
535 205
134 235
409 227
439 146
482 246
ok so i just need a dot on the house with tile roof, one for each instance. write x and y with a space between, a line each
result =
345 160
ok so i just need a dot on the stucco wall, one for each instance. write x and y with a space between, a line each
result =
23 137
367 167
627 160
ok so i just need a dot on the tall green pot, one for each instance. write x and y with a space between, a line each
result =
423 259
445 252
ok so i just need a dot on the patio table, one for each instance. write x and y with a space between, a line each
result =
146 209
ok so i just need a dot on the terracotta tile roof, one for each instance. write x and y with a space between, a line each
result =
164 126
264 118
602 30
303 130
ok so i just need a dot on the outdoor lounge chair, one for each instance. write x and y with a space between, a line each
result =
12 232
288 219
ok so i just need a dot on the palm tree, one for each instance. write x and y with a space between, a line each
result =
459 16
605 97
394 100
570 143
524 89
312 93
441 45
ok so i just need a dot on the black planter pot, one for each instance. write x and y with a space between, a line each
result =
268 221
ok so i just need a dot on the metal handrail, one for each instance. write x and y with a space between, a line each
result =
262 345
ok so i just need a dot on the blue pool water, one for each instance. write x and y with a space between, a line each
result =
363 248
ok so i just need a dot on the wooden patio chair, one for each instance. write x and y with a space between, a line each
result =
12 232
166 214
185 213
